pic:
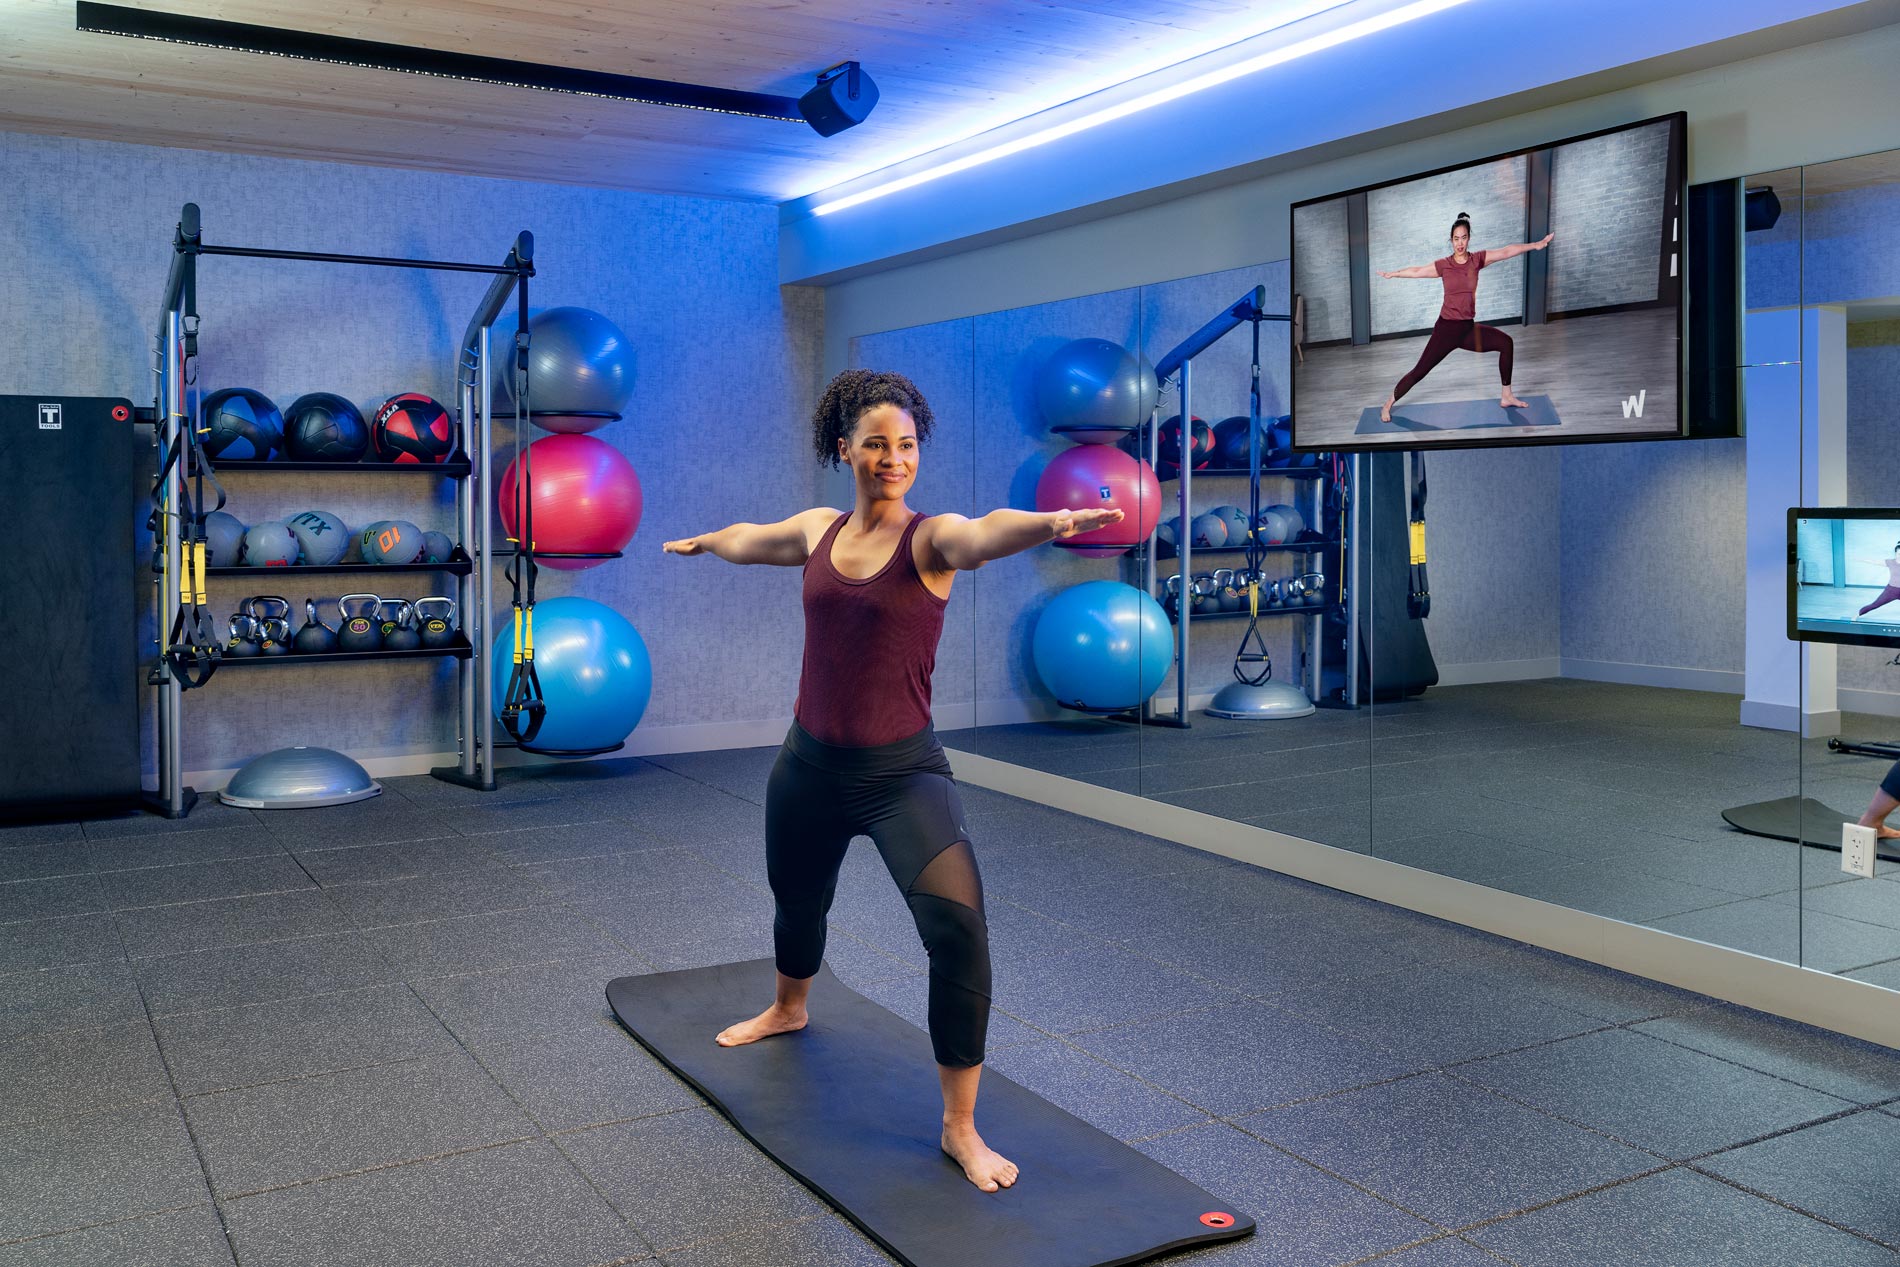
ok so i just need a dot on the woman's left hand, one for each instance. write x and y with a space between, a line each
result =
1073 523
1538 246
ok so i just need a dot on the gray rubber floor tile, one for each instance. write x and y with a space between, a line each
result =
422 899
1875 902
1277 796
686 1177
472 943
1445 1150
1017 934
1090 988
519 1204
1103 1096
22 835
1746 866
80 1071
128 853
1652 1094
528 1003
1865 1073
43 861
296 1038
70 1172
909 997
1447 1251
52 1000
1811 938
1267 957
1885 975
203 882
309 1128
1303 1215
200 980
191 1237
1436 1014
435 794
591 1077
59 943
1587 988
22 900
241 921
529 846
625 874
824 1241
1607 887
500 816
396 860
1243 1057
1825 1170
207 815
379 820
1466 856
1679 1218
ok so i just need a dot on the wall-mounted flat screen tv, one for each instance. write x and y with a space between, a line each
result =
1844 576
1527 298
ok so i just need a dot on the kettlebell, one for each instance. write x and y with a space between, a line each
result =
244 638
1204 593
1295 591
359 631
399 630
437 631
273 634
1171 597
315 638
1313 589
1226 597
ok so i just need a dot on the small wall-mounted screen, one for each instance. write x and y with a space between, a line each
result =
1844 576
1527 298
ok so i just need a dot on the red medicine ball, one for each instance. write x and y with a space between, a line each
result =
411 427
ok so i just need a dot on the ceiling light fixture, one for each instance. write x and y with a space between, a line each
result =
175 28
1144 101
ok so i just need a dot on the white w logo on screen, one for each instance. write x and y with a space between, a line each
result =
1633 405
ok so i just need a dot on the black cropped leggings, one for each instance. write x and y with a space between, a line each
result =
1448 335
901 795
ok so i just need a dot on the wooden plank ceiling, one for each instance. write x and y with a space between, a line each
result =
941 66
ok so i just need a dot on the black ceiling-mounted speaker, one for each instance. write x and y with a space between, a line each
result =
842 98
1760 209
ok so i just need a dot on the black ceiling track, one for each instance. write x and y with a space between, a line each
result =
112 19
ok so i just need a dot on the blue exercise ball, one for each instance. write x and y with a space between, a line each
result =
594 670
1102 647
1093 391
580 369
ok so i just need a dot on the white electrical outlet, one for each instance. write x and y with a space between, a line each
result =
1857 848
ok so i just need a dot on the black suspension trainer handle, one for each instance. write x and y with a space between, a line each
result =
524 707
1418 602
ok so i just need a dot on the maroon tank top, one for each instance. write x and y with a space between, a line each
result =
870 647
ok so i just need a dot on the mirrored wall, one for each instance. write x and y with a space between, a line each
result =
1602 669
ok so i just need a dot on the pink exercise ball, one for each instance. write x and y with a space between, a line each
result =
1092 476
586 499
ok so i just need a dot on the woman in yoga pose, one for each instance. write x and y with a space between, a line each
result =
1457 325
861 757
1891 590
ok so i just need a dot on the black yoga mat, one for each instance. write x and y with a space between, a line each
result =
850 1106
1801 818
1459 415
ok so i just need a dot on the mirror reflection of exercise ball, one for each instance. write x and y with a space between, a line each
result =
594 671
1093 391
1102 646
1102 477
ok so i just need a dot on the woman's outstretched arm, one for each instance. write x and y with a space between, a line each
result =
1493 255
786 543
967 544
1417 270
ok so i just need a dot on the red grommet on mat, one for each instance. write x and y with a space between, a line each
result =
120 413
1218 1218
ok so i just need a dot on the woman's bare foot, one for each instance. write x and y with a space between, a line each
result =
1888 833
1385 410
982 1165
773 1020
1509 400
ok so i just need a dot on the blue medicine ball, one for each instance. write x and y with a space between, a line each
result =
1102 647
238 423
594 671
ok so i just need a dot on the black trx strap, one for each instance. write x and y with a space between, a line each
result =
1256 554
1418 603
523 706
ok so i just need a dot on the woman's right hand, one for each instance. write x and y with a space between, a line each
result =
689 545
1384 274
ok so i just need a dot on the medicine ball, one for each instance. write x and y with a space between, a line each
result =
392 541
437 547
1295 521
324 427
270 545
322 536
1210 531
1236 520
1201 447
411 427
238 423
224 540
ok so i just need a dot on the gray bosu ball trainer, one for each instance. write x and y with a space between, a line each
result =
1268 701
299 778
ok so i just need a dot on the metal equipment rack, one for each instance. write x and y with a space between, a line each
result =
176 410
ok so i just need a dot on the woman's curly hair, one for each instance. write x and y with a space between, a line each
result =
851 395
